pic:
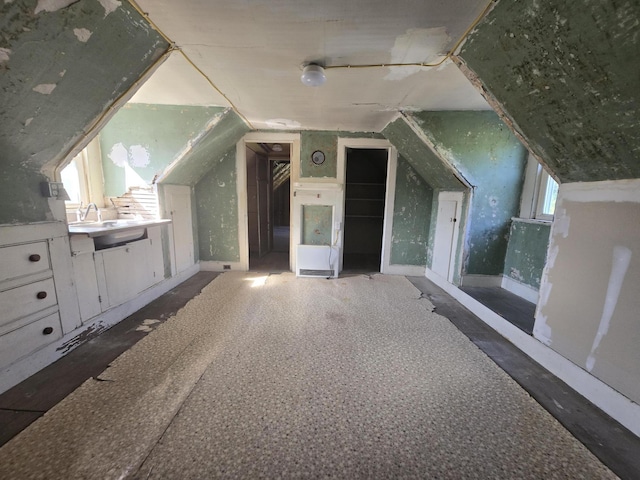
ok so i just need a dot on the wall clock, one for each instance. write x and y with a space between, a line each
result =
317 157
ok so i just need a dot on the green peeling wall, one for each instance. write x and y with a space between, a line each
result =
316 224
426 163
217 211
567 74
326 142
147 138
59 71
411 217
208 150
527 252
491 158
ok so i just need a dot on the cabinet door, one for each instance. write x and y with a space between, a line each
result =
84 274
126 271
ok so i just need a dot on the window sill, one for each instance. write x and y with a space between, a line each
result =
538 221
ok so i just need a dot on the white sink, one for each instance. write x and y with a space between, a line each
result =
113 232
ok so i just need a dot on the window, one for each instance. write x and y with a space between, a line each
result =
539 193
82 178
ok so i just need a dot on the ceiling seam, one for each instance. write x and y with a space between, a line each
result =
155 26
423 64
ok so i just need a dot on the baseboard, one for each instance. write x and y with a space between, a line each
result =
33 363
210 266
407 270
599 393
524 291
481 281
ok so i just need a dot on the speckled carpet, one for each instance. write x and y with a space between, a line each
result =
277 377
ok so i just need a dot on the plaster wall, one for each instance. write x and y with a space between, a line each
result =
217 211
589 302
411 217
527 251
492 160
60 69
565 75
143 140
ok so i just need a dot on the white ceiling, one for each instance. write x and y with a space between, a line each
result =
254 50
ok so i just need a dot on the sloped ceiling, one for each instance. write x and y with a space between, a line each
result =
566 75
62 63
253 51
209 149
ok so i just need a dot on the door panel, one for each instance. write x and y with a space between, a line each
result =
444 247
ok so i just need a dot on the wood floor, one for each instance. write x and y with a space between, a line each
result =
26 402
514 309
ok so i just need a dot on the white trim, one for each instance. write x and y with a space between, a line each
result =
36 361
241 187
535 221
390 190
456 254
600 394
406 270
527 292
215 266
481 281
606 191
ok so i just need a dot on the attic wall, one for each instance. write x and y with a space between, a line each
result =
411 217
145 139
589 302
490 157
217 210
527 252
425 162
60 68
566 73
222 134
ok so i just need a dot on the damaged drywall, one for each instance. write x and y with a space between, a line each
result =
316 224
202 156
411 217
489 156
527 251
55 84
217 210
142 140
589 302
415 151
566 74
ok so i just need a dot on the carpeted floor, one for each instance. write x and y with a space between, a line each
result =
283 377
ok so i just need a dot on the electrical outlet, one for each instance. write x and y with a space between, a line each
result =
53 189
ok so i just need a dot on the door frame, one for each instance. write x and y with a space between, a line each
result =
390 190
293 139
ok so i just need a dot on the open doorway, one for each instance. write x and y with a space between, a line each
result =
268 206
365 194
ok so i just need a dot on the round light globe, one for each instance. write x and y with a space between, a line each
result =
313 75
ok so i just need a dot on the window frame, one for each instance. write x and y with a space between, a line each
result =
534 192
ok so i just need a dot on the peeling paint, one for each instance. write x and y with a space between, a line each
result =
52 5
45 88
5 53
417 45
138 156
119 155
28 121
109 6
82 34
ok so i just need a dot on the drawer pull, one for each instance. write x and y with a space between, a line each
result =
47 331
41 295
34 257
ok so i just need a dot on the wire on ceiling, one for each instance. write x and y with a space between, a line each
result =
423 64
174 47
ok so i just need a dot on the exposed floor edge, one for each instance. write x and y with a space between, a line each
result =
30 399
614 444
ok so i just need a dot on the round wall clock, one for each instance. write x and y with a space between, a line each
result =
317 157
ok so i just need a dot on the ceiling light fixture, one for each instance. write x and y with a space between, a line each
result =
276 147
313 75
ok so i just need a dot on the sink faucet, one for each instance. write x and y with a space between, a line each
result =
83 216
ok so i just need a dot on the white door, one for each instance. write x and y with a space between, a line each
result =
178 206
446 237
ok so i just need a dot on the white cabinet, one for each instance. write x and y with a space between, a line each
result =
29 317
124 272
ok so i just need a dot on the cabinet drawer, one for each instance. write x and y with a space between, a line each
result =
23 260
25 340
22 301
